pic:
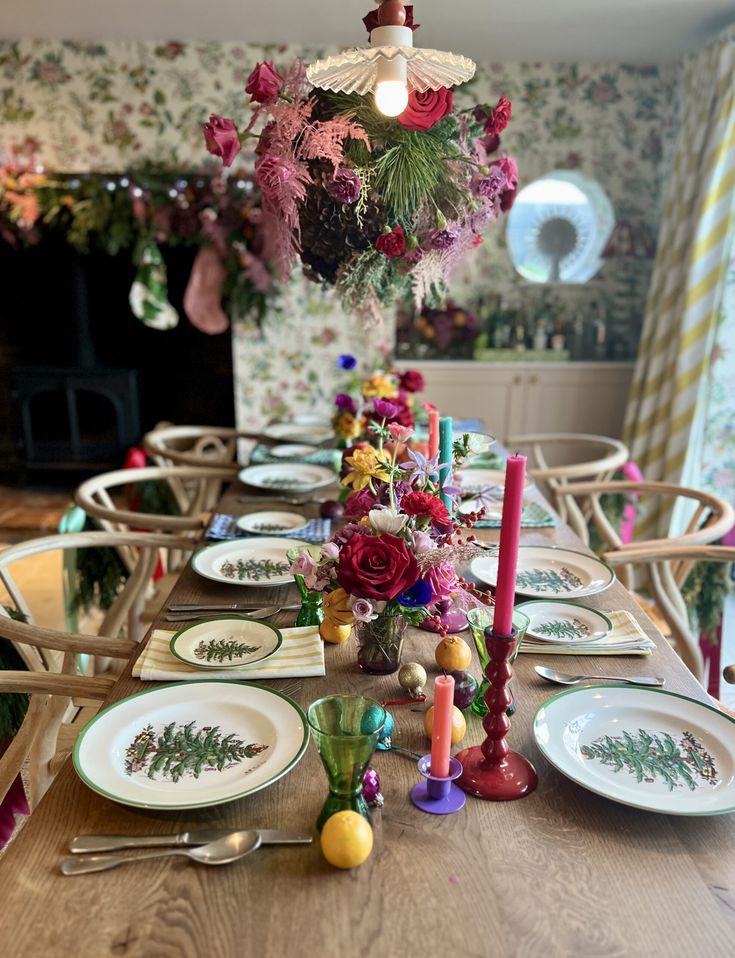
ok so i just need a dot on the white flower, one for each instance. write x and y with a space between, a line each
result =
362 609
386 521
477 443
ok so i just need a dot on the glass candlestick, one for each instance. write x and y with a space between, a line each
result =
311 611
480 619
346 730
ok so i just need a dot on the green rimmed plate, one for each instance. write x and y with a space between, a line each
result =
261 561
564 622
191 744
225 642
652 749
547 572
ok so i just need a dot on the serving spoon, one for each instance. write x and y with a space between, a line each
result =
563 678
222 852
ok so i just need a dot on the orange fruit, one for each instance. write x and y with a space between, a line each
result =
453 653
346 839
336 607
459 726
336 634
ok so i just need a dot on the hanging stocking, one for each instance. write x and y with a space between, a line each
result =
203 296
149 292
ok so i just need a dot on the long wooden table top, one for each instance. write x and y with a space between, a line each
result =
561 872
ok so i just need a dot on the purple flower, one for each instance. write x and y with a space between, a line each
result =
443 239
417 596
422 469
345 403
344 186
489 186
386 409
345 361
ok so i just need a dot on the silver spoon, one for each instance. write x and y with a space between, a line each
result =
222 852
563 678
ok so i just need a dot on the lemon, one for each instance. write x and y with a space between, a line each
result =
459 726
336 634
346 840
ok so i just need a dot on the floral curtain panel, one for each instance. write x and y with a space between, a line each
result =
676 421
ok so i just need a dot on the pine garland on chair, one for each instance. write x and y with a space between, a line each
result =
705 590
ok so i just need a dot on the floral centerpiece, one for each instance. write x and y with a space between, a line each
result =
356 401
399 550
374 205
449 332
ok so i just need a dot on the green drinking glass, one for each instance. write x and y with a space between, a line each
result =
311 611
346 730
479 619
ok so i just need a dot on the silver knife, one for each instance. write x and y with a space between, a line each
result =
109 843
226 607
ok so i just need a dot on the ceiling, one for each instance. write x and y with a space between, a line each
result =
631 31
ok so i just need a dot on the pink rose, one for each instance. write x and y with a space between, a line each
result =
443 580
264 83
221 138
400 433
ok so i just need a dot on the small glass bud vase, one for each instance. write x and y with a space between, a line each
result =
311 611
380 643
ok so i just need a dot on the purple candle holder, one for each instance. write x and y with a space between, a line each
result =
452 618
438 796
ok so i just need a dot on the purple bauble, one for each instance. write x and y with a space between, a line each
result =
465 688
371 787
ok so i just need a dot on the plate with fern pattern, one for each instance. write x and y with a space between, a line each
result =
549 572
564 622
293 477
191 744
261 561
649 748
225 642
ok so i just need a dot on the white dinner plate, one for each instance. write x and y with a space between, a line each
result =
545 572
294 477
312 433
292 450
191 744
655 750
564 622
472 480
225 642
272 523
261 561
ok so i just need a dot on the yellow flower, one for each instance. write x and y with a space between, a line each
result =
366 464
379 386
347 426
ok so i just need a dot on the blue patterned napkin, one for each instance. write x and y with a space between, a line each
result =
533 516
223 526
320 457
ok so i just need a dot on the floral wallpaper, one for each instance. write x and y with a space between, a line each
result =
109 106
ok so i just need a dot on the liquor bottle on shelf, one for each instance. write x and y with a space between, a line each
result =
599 348
540 336
558 339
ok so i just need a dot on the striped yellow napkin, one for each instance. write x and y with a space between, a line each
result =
625 638
300 655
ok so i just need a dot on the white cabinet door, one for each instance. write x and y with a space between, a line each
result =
576 399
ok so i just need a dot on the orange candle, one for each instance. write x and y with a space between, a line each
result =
441 732
433 430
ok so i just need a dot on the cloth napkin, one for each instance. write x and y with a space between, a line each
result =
301 655
223 526
625 638
320 457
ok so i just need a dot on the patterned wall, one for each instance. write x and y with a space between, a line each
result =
109 106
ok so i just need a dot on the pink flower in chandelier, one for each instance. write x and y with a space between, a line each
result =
264 83
221 138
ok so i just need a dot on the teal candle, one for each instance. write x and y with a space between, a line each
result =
445 456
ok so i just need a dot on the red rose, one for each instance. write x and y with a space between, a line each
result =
221 138
392 244
425 504
376 567
412 381
264 83
424 110
507 199
498 119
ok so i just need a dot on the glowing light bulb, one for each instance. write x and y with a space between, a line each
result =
391 97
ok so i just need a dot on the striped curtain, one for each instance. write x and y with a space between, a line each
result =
664 423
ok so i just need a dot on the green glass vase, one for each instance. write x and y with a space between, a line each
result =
346 730
311 611
480 619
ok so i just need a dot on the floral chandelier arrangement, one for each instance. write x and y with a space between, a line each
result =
377 205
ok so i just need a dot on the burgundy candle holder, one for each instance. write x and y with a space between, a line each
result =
491 770
438 796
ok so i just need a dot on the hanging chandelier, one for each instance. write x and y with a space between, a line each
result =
391 66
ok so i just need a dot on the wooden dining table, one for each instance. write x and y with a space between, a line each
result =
561 872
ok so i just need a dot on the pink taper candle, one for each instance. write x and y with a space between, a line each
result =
433 430
441 732
510 533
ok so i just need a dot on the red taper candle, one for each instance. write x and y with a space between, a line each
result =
510 534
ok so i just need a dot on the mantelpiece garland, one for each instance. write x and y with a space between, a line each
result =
142 210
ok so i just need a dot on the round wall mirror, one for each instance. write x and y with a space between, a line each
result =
558 227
